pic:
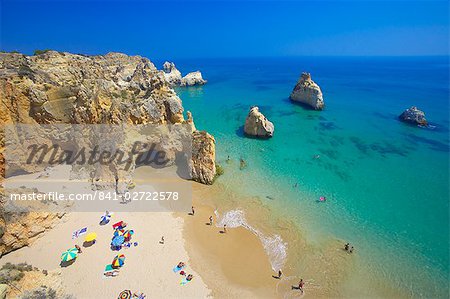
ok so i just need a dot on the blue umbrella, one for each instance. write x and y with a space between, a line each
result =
117 241
105 219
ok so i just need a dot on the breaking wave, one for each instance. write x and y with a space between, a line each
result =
274 246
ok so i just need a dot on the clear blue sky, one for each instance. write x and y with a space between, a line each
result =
172 29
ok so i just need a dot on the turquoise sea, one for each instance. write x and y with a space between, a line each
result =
387 183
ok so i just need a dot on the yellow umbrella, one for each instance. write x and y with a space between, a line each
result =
90 237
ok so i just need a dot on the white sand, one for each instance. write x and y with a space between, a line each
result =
148 267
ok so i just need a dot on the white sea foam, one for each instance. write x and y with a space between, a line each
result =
273 245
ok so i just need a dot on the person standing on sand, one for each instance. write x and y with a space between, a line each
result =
210 220
279 273
78 248
193 211
351 249
224 228
162 240
301 284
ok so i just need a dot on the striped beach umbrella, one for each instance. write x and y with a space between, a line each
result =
118 261
125 294
90 237
105 219
69 255
119 232
127 234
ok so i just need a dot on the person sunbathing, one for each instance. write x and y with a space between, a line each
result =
180 265
189 277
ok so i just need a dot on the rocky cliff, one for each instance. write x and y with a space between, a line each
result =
307 92
258 125
65 88
56 87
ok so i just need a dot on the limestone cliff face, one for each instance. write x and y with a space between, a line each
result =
203 157
306 91
65 88
258 125
19 230
59 87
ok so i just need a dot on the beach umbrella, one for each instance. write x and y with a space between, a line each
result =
117 241
118 261
90 237
105 219
69 255
119 232
127 234
125 294
118 224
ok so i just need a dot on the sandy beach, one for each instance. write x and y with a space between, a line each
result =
224 265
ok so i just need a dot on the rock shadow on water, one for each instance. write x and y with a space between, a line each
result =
383 148
327 126
431 143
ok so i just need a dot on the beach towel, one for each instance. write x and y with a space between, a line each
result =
110 269
79 232
183 281
176 269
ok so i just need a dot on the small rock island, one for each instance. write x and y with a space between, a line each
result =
173 76
414 116
307 92
258 125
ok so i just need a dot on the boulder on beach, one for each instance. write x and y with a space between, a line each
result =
306 91
413 116
258 125
193 78
171 73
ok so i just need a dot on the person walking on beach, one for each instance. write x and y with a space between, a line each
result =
279 274
193 211
351 249
78 248
210 220
347 246
301 284
224 228
162 240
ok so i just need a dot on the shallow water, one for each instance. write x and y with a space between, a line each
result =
386 182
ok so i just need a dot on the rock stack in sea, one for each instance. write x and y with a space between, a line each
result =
173 76
171 73
257 124
306 91
413 116
192 79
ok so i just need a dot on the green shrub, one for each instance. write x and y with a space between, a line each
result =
39 52
219 170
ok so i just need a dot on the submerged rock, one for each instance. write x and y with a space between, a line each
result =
413 116
171 73
191 79
306 91
258 125
203 168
